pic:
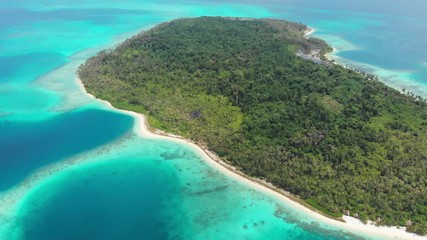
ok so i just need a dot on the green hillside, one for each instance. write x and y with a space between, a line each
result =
339 139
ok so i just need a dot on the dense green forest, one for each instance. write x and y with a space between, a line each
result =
338 138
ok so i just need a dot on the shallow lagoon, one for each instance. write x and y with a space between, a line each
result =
108 183
156 189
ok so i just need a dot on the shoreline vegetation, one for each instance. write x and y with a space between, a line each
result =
143 129
107 83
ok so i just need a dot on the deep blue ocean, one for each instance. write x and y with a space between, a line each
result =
72 168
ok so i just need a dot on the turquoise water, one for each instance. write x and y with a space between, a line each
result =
161 190
71 168
27 146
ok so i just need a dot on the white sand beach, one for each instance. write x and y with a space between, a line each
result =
348 224
309 31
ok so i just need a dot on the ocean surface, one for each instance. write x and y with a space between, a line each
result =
72 168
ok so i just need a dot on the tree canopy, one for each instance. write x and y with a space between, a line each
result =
338 138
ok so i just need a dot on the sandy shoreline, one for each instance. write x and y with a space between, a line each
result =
346 223
309 31
330 56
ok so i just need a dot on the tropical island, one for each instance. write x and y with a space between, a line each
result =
264 98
